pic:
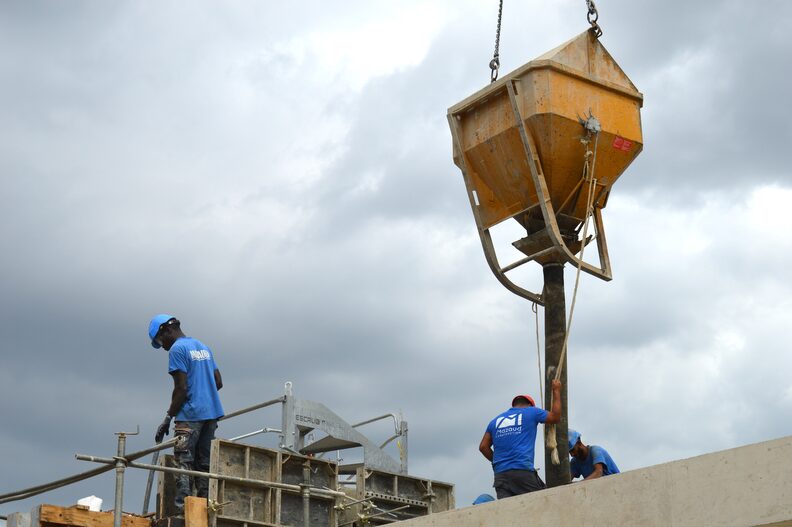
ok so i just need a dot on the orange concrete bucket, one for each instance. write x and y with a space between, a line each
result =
522 145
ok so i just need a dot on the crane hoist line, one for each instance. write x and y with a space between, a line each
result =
592 16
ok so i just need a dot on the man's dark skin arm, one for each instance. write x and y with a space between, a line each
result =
485 447
554 415
218 380
179 396
598 472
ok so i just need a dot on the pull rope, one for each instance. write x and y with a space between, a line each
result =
588 174
535 309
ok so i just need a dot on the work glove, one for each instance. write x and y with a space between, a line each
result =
162 430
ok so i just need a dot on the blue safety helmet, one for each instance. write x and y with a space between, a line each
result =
483 498
574 437
154 327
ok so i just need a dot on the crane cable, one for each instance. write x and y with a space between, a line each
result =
588 174
495 62
592 16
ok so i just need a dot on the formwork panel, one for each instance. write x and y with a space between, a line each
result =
383 498
166 488
323 474
243 504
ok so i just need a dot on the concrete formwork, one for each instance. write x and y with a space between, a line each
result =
746 486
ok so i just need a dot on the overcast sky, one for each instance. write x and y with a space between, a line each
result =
279 176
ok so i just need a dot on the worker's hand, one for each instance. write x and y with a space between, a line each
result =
556 384
162 430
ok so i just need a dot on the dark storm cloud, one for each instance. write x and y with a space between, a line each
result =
712 74
205 162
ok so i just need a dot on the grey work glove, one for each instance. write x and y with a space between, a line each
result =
162 430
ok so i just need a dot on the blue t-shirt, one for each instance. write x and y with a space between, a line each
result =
597 454
194 358
514 437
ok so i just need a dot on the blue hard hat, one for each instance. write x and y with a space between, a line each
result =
574 437
483 498
154 327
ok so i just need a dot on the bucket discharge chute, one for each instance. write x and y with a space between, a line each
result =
529 144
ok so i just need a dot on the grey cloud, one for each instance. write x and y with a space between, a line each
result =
191 172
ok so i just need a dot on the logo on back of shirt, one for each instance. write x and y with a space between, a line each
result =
506 421
198 355
508 425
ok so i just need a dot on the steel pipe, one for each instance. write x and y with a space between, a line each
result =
40 489
120 465
252 408
265 430
325 493
384 416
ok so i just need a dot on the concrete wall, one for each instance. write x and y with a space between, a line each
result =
746 486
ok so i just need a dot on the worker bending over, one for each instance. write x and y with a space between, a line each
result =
195 403
509 444
589 461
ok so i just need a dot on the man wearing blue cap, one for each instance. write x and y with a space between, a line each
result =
195 403
510 440
589 461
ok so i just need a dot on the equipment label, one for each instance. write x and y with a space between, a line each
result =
620 143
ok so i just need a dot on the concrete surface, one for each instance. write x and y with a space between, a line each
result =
748 486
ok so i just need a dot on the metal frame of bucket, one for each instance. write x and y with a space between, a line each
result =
501 133
548 213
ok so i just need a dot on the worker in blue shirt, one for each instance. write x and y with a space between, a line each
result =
589 461
509 444
195 403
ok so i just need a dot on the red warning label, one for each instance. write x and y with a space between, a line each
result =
620 143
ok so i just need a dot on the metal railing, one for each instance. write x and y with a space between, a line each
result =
123 460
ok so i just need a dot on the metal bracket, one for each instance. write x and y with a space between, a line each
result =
300 417
546 205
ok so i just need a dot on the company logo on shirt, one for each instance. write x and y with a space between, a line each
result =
198 355
508 425
505 421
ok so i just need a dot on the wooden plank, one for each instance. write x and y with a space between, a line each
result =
55 516
195 512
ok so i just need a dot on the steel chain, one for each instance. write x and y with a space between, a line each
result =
592 16
495 62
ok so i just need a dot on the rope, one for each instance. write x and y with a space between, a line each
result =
550 432
535 309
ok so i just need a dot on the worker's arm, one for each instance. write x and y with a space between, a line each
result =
218 379
598 471
554 415
485 447
179 395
